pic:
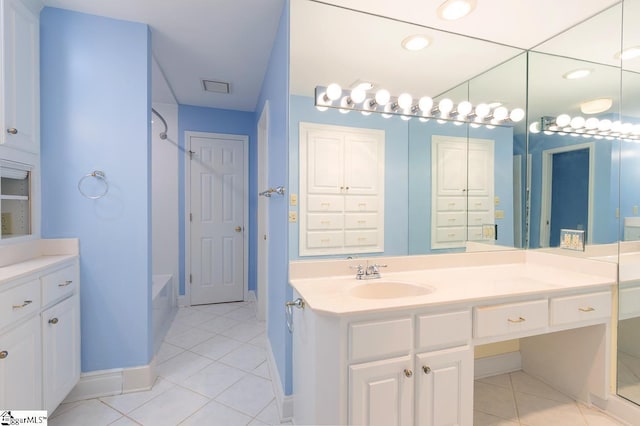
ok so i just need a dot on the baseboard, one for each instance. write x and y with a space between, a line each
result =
619 408
96 384
284 402
251 296
182 301
497 364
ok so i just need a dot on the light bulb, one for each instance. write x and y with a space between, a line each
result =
423 119
366 106
591 123
626 128
482 110
636 129
616 126
425 104
563 120
577 122
387 109
500 113
475 125
406 114
334 91
535 127
382 97
405 100
358 95
464 108
516 115
458 123
322 101
604 125
445 106
346 105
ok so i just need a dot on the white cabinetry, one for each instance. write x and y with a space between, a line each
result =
341 190
39 337
19 100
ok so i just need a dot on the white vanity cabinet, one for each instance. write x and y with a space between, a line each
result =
39 334
19 60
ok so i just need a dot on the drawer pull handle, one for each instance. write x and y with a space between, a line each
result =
53 321
408 372
66 283
4 354
520 319
587 309
426 369
26 302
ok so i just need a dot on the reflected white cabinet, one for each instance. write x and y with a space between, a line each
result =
341 190
19 57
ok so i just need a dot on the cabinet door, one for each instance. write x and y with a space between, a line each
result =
61 350
381 393
363 164
20 32
325 163
445 387
21 367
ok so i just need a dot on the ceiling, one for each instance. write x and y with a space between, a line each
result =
218 40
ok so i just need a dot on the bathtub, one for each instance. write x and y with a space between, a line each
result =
163 297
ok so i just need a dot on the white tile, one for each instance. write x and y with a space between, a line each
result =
595 417
250 395
90 412
169 408
260 340
216 347
215 414
184 312
177 327
483 419
188 338
256 422
182 366
246 357
218 324
214 379
62 408
525 383
270 414
244 331
218 308
197 317
494 400
167 351
242 314
124 421
536 411
262 370
128 402
503 380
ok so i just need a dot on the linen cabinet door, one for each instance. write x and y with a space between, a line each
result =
21 367
61 350
381 393
444 387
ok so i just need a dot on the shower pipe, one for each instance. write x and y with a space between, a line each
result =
163 135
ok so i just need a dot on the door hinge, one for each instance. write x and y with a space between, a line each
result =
190 278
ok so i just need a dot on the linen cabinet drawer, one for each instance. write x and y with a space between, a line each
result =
361 221
361 238
443 330
478 204
325 221
444 235
19 301
375 339
451 203
451 219
361 204
584 307
499 320
59 284
326 203
479 219
325 239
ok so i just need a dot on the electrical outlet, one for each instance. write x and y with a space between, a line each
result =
499 214
496 200
293 217
293 199
635 210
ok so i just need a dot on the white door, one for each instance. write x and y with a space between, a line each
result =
217 217
381 393
263 215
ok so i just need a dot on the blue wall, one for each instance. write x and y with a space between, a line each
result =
275 89
396 168
213 120
95 115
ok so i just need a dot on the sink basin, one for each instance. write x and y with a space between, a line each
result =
388 290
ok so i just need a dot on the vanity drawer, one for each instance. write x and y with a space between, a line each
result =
59 284
319 221
380 338
325 203
359 221
584 307
450 219
451 203
444 235
444 330
19 301
361 204
499 320
629 302
325 239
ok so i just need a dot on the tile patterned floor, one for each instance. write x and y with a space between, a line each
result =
212 370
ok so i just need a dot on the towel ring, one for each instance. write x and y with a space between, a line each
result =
98 174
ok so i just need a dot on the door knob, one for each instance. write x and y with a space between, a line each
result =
53 321
12 131
238 228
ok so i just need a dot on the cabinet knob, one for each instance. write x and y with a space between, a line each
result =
53 321
12 131
26 302
4 354
408 372
66 283
426 369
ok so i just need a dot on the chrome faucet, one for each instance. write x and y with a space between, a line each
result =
368 272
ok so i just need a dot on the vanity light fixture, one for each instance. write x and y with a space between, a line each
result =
628 53
589 128
451 10
577 74
596 106
415 42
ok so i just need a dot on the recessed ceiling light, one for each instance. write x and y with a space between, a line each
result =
415 42
596 106
456 9
629 53
575 74
215 86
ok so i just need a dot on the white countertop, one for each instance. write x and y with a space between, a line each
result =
503 275
34 256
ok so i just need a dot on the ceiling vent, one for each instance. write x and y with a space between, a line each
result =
215 86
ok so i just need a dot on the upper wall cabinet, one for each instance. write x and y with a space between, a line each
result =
341 190
19 59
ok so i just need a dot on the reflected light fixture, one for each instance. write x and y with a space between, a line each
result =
415 42
576 74
628 53
451 10
564 124
596 106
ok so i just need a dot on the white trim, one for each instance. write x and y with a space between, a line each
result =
497 364
284 403
117 381
547 180
262 281
618 408
517 200
186 299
